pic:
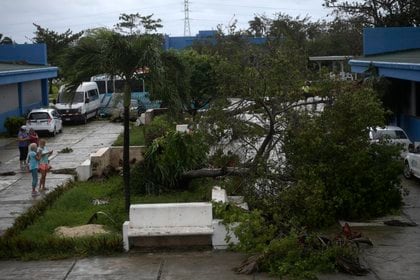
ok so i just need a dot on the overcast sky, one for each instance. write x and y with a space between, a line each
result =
17 16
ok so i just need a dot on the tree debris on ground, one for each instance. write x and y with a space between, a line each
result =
398 223
8 173
344 263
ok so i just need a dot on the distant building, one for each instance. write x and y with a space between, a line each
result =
182 42
337 64
394 53
24 78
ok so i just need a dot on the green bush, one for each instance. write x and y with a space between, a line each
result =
12 124
339 174
166 159
157 128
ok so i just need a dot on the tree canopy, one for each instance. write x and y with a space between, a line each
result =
379 13
56 42
187 81
5 40
137 24
341 36
109 52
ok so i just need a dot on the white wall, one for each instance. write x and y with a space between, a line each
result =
8 98
31 92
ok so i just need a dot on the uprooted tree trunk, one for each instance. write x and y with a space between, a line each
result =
216 172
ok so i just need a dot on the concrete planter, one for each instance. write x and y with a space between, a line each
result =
104 157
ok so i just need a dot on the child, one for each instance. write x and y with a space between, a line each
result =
33 136
33 163
43 153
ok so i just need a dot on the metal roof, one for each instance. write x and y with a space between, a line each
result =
403 65
410 57
331 58
19 67
14 73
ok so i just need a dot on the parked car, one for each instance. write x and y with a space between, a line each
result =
45 121
391 134
412 163
136 109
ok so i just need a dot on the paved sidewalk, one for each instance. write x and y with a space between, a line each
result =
208 265
15 190
395 254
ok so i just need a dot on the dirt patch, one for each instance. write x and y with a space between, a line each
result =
80 231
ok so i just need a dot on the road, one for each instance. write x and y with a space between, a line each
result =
15 191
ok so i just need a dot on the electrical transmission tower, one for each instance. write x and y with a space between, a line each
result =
187 30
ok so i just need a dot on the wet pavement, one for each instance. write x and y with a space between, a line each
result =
15 190
206 265
395 254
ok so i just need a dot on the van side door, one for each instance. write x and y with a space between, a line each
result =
94 101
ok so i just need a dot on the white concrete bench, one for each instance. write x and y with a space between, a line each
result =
168 219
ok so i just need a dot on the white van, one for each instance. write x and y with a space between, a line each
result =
80 105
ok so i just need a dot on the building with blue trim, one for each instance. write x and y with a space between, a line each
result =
206 36
394 53
24 75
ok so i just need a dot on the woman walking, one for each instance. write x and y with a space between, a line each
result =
33 163
44 166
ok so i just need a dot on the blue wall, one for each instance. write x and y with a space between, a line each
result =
182 42
411 125
29 53
390 39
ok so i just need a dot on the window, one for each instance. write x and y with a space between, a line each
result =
389 134
39 116
55 114
70 97
93 94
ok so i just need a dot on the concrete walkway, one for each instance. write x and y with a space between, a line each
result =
163 266
395 254
15 191
396 251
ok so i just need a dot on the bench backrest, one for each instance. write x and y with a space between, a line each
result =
194 214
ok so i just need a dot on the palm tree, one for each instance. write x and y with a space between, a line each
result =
106 51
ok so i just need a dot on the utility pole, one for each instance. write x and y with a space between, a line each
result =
187 31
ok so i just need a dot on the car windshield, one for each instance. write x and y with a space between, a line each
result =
39 116
71 97
389 134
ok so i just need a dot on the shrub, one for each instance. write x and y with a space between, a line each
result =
165 161
339 174
12 124
157 128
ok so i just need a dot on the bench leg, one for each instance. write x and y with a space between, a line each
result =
125 236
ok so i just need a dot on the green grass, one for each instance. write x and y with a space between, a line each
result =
136 137
74 207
